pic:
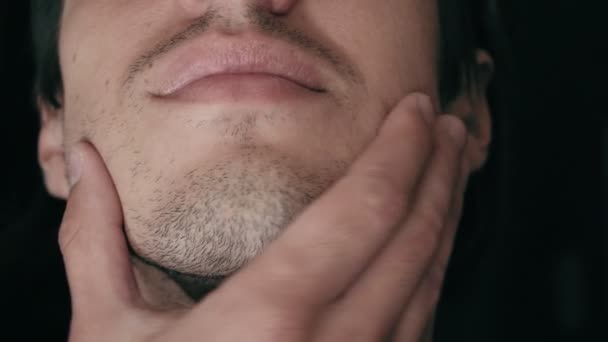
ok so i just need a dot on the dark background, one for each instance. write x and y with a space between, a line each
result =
541 275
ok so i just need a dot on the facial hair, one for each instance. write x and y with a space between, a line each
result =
222 216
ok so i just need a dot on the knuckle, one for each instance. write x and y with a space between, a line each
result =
372 203
381 201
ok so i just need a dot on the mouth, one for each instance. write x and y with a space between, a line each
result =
219 67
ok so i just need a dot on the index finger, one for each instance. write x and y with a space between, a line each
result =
333 240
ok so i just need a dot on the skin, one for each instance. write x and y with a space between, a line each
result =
375 247
245 172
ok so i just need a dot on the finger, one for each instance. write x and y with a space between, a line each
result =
375 301
422 307
332 241
91 239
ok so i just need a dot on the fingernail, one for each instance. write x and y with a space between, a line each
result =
425 106
74 166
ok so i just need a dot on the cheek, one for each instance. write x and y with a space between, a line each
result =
98 39
393 45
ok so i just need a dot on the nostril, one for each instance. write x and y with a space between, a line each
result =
279 13
277 7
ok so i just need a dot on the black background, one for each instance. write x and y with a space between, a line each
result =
543 273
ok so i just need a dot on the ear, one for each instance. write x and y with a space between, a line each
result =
51 154
473 108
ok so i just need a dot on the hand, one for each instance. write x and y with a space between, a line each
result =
364 262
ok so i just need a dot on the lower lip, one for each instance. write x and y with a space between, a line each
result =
241 87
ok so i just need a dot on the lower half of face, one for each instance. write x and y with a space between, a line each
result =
205 185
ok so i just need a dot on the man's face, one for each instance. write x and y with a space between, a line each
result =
210 173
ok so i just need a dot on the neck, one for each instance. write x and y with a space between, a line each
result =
160 291
157 289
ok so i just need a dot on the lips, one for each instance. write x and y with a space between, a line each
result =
222 58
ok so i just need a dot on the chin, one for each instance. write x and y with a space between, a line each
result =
213 220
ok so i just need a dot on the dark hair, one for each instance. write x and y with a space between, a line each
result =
46 17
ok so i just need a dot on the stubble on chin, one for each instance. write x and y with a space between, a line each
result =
214 219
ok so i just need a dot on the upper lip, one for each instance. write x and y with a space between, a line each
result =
250 53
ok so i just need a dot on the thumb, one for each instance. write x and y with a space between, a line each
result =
92 241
